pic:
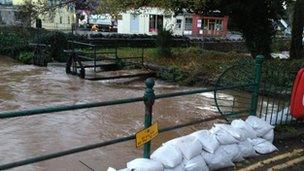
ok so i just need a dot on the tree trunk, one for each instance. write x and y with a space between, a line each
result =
296 49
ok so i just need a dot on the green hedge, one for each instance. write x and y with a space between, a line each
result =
15 40
58 41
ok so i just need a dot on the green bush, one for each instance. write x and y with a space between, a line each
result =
14 40
26 57
281 73
58 41
11 44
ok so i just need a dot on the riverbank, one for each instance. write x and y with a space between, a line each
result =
195 66
189 65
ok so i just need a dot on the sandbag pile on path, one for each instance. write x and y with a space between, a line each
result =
212 149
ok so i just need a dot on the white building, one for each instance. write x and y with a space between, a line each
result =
6 2
60 19
7 15
183 24
148 20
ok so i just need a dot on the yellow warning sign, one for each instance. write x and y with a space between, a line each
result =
146 135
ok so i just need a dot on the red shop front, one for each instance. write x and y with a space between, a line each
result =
209 26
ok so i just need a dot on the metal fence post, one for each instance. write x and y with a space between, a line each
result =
255 94
116 53
95 58
149 98
142 56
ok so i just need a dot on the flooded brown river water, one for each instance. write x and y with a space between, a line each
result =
27 87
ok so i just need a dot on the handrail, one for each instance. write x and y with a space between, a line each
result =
148 99
61 108
98 145
82 43
14 114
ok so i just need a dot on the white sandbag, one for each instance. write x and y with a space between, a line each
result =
259 125
218 160
142 164
265 148
247 149
177 168
168 155
189 145
223 137
208 140
111 169
233 152
173 142
236 133
196 164
269 136
262 146
126 169
256 141
243 126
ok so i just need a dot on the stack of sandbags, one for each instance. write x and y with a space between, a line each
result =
211 149
214 156
220 148
190 148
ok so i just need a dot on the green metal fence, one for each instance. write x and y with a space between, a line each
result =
251 88
275 93
269 98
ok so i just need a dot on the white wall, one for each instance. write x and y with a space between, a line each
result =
53 23
7 16
176 30
124 25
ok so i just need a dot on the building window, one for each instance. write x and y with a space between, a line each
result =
155 23
188 24
178 23
212 24
218 25
69 20
60 20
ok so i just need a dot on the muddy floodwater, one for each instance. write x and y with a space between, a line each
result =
27 87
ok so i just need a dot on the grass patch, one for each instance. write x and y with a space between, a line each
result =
193 66
186 66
